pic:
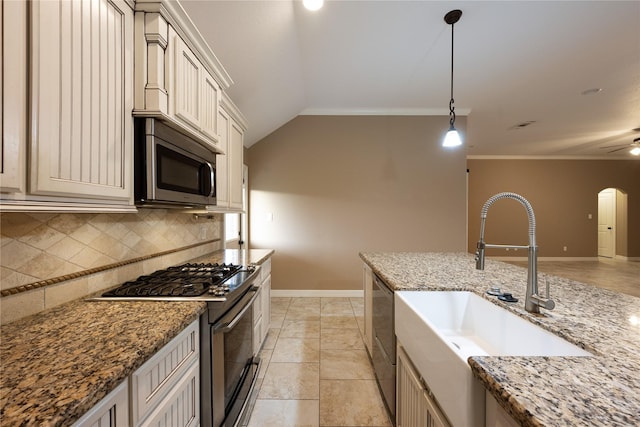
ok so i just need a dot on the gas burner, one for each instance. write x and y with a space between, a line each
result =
187 280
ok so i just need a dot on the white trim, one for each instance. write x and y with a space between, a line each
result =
382 112
538 157
626 258
547 258
351 293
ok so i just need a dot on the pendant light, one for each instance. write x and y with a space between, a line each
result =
452 138
312 5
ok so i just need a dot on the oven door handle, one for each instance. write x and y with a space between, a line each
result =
229 321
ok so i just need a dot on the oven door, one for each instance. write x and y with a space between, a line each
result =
234 369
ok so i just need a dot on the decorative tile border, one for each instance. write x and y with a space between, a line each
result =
59 279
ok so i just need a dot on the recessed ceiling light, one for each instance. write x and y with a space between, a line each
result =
592 91
312 4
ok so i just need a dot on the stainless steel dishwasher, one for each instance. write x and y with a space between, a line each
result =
384 343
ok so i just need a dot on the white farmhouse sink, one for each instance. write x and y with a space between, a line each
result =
441 330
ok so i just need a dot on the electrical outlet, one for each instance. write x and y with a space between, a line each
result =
564 248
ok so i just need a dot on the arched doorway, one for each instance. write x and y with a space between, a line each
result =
612 222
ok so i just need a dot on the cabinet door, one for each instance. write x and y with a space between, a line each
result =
82 74
112 410
414 405
235 153
222 170
210 102
188 85
13 93
266 305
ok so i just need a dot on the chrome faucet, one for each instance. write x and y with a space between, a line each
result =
533 301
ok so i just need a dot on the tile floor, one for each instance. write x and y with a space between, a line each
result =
315 370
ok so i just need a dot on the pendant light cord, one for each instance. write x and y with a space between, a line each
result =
452 113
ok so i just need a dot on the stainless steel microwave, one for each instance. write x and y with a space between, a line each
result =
171 169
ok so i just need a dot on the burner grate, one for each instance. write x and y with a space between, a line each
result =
187 280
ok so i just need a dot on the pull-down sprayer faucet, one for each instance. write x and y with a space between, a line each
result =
533 301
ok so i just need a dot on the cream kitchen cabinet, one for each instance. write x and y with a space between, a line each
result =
13 91
165 390
80 101
169 383
178 78
231 125
415 406
262 307
196 94
112 410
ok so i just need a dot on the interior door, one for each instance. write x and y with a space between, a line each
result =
606 218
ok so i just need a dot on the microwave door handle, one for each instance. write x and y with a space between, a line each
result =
212 177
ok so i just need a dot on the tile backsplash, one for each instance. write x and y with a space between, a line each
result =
41 246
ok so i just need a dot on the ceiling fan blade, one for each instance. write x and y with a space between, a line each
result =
613 146
617 149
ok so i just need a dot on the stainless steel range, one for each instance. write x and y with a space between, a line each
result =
228 367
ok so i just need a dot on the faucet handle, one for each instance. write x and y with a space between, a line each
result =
480 255
547 303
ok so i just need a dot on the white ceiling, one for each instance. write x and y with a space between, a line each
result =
515 61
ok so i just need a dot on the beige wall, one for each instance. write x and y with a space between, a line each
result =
338 185
563 193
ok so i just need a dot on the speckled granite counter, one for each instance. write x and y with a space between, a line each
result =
603 390
58 364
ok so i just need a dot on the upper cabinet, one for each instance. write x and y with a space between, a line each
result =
75 124
232 125
74 74
197 94
81 98
178 77
13 91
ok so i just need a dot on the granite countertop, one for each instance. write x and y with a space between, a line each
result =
58 364
603 390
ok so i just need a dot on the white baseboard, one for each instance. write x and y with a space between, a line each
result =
355 293
627 258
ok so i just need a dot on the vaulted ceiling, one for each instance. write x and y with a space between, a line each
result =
572 68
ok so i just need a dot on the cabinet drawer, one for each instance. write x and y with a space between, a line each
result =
153 380
181 407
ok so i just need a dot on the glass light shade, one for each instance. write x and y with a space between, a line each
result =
313 4
635 151
452 138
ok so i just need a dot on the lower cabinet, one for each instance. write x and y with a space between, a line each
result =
415 406
367 279
164 391
262 307
112 410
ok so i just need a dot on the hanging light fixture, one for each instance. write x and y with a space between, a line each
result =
452 138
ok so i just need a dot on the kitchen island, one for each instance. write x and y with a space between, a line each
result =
603 390
57 364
